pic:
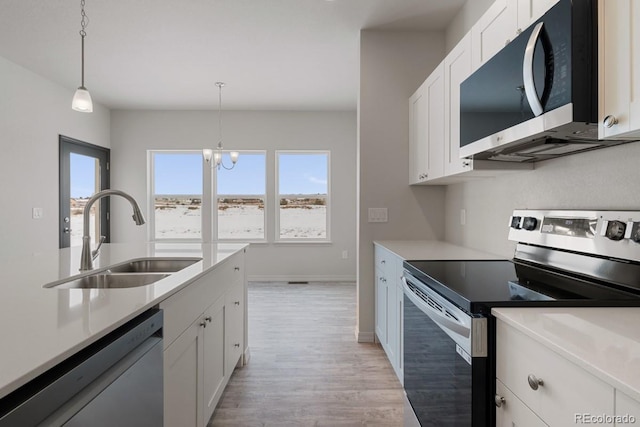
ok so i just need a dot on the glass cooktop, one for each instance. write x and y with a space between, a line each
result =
476 286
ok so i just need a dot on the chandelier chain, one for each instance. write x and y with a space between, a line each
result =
84 22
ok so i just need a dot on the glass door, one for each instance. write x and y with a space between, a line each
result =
84 170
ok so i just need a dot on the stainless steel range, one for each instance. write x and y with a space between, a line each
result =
562 258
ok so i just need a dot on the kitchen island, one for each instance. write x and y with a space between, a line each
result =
41 327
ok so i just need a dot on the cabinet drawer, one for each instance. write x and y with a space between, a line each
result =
512 412
384 260
184 307
566 389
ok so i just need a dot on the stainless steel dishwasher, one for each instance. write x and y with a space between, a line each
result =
114 381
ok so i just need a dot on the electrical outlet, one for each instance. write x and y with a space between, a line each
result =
37 213
345 254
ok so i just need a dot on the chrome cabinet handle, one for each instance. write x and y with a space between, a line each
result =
499 401
527 72
534 382
237 303
466 164
237 345
610 121
208 319
203 324
237 268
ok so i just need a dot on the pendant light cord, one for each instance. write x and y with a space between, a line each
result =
83 24
220 84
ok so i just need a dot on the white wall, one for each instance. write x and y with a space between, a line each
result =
600 179
392 66
135 132
33 112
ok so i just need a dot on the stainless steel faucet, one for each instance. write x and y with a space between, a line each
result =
87 257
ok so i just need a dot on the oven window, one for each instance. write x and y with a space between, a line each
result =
436 379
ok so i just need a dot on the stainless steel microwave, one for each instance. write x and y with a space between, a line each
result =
538 97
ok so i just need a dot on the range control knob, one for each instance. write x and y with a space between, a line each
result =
515 222
529 223
615 230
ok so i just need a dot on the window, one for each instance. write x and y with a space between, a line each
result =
177 194
241 197
303 195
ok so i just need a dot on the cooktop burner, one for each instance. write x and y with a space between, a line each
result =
476 286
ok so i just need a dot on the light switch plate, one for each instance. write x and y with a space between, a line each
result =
378 215
37 213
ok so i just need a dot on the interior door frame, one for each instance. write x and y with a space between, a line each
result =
67 146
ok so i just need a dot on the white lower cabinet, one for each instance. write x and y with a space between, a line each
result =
204 332
627 410
389 299
511 412
552 387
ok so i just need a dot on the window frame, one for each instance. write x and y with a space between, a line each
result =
215 196
277 238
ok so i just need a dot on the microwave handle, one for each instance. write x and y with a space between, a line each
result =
527 71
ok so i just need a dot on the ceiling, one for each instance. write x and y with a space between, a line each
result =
167 54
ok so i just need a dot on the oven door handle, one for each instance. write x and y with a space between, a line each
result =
445 323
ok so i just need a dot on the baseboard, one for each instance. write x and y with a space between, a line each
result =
302 278
365 336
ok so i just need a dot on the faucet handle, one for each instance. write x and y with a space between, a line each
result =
96 251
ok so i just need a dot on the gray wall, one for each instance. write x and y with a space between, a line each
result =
33 113
392 66
135 132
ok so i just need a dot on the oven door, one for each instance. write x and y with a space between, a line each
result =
444 383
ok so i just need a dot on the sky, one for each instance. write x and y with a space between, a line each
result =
182 174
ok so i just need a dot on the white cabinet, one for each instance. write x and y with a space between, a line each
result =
426 132
204 332
512 412
626 408
619 69
552 387
530 10
493 31
389 299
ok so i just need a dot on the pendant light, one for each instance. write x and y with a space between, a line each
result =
82 99
208 153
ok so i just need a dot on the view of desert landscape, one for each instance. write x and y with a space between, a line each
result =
239 217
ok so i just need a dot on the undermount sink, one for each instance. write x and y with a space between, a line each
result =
129 274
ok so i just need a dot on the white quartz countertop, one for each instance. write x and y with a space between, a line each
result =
41 327
603 341
433 250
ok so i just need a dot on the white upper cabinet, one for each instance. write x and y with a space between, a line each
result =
619 69
530 10
426 131
457 67
493 31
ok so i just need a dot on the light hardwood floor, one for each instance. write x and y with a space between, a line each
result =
306 368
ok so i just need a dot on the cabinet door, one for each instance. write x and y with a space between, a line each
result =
435 123
457 67
213 372
626 407
381 307
530 10
619 65
418 136
234 327
494 30
182 379
512 412
392 316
